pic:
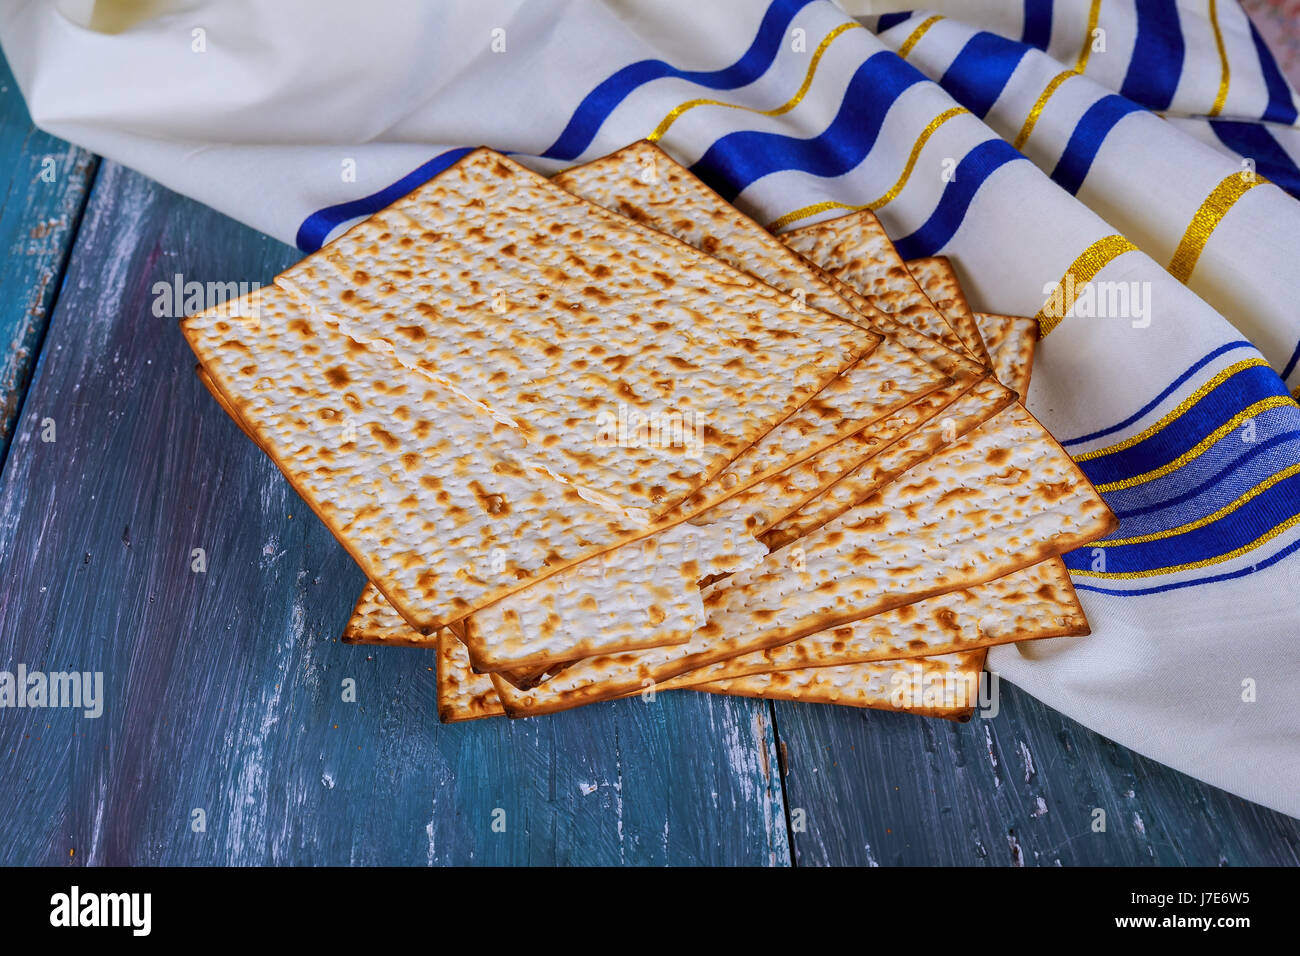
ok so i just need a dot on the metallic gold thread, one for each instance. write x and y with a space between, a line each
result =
1177 412
919 145
1094 14
1207 218
915 36
675 113
1081 272
890 195
1032 119
1276 401
1226 510
803 212
1225 73
1263 539
1080 64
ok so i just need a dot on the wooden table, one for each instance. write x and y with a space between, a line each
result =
224 688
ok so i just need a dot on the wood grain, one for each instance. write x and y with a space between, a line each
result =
1020 789
224 689
43 187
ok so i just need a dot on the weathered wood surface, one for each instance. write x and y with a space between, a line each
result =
224 688
43 184
1020 789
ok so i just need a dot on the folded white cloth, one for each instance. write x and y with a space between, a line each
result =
1133 153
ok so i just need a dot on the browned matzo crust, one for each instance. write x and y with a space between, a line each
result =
938 280
451 608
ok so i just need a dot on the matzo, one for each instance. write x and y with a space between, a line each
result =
374 621
969 515
938 280
1011 341
886 381
756 509
423 508
640 595
742 243
1035 602
462 694
496 638
957 364
644 184
1001 498
945 686
958 419
856 249
554 315
777 498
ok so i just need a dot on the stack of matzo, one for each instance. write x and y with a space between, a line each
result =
603 433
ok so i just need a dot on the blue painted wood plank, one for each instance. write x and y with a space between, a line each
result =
223 689
1021 788
43 186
